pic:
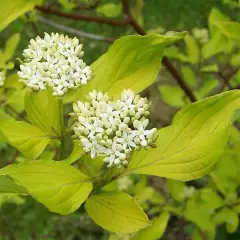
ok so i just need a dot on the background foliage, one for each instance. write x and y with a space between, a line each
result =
208 61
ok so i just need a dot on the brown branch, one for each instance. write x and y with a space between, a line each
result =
226 79
103 20
179 79
203 235
131 21
14 157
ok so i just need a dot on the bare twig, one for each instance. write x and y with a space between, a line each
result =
226 79
166 61
179 79
14 157
203 234
74 31
103 20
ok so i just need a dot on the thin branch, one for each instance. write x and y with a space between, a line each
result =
131 21
103 20
226 79
165 61
203 234
14 157
179 79
224 83
74 31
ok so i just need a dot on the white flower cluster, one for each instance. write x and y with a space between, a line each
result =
54 61
113 128
201 34
2 78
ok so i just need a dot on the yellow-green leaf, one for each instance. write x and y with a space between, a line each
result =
116 212
191 146
45 111
59 186
28 139
11 46
131 62
11 10
192 49
77 152
156 230
7 185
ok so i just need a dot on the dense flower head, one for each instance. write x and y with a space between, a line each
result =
113 128
2 78
54 61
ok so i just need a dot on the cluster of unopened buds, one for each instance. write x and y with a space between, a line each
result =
113 128
201 34
2 78
54 61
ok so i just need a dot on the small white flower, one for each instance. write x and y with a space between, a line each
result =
106 128
54 61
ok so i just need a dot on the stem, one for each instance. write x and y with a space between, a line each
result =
226 79
14 157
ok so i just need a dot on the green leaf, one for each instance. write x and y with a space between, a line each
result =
229 217
226 173
210 68
176 189
192 49
77 152
219 42
235 59
214 17
7 185
222 23
189 76
12 82
28 139
116 212
196 235
230 29
45 111
11 198
67 4
110 9
211 198
11 46
3 118
174 53
174 96
156 230
208 86
131 62
197 211
59 186
191 146
11 10
15 99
